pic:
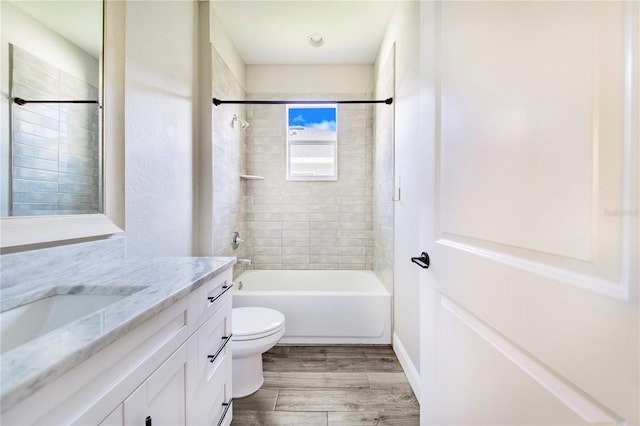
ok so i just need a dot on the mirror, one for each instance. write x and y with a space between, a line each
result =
51 158
19 233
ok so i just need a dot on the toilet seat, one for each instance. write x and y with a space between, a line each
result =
255 323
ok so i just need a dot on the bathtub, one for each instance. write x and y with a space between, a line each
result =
329 307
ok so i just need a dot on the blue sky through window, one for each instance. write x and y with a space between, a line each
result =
318 118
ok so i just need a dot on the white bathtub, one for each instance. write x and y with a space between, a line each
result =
321 306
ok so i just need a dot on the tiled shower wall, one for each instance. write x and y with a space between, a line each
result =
383 175
55 147
309 225
229 154
298 224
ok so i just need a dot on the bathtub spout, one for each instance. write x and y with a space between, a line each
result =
243 261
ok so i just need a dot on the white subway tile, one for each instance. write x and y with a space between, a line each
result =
323 217
266 233
295 234
323 225
295 259
295 225
323 266
267 242
323 250
323 242
323 233
295 217
271 251
295 250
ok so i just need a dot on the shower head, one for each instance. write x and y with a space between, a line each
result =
236 119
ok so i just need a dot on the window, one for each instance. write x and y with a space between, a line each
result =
312 149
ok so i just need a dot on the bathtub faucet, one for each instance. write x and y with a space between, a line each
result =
243 261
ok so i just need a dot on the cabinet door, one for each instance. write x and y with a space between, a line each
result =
162 396
115 418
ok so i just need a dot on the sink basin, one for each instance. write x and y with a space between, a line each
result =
24 323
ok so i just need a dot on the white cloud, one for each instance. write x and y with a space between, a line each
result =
299 119
324 125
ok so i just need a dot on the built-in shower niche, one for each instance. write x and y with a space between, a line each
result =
55 147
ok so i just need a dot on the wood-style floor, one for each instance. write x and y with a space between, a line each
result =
330 385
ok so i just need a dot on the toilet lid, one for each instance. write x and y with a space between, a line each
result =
254 322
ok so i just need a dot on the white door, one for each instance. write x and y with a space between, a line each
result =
529 310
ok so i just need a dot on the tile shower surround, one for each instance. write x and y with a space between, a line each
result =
229 159
344 224
307 224
383 175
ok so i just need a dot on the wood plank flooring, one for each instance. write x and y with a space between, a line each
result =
341 385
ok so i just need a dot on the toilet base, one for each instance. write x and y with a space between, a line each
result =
247 375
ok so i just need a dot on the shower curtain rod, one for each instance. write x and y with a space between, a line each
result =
217 102
21 101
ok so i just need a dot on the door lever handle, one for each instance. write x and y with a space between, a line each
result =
423 261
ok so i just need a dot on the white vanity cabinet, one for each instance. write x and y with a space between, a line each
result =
174 369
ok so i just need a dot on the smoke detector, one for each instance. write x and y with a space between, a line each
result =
316 40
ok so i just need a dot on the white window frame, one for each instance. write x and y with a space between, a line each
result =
288 143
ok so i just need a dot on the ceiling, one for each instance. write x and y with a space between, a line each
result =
78 21
277 32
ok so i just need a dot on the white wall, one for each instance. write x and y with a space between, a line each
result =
204 147
221 41
403 30
317 79
161 99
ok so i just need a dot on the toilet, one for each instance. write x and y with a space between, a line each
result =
255 331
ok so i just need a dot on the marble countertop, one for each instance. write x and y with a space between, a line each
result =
150 285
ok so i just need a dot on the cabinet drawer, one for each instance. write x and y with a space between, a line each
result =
215 395
214 294
214 341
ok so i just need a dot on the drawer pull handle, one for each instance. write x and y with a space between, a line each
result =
226 339
225 288
226 406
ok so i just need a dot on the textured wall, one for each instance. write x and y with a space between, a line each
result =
309 225
161 94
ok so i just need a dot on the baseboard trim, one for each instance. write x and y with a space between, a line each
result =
405 362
